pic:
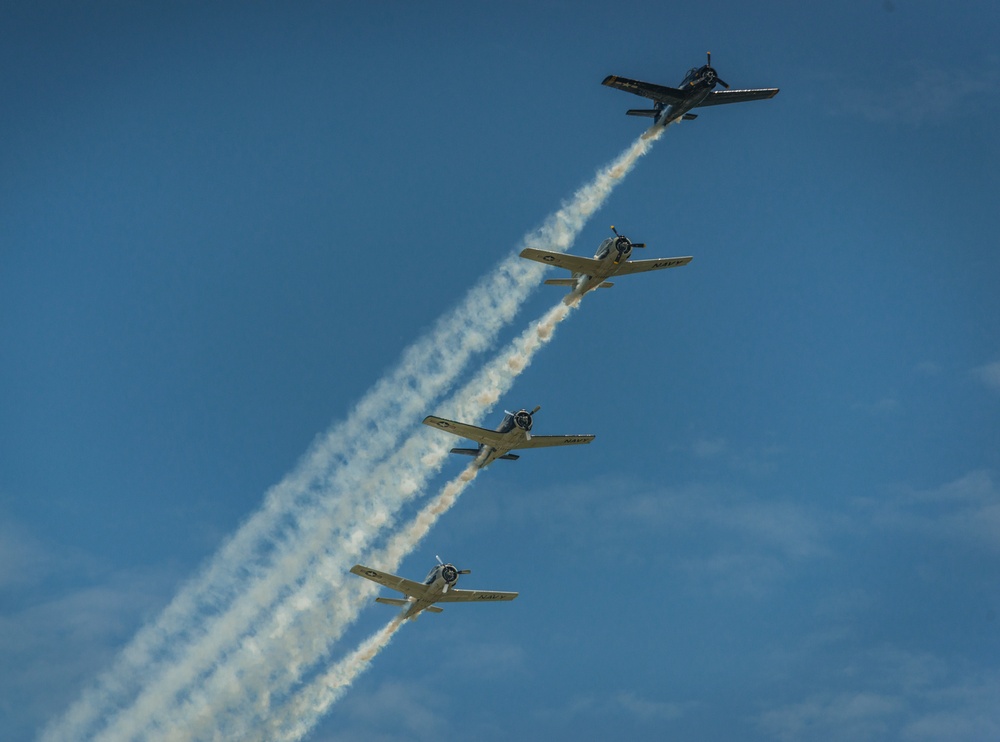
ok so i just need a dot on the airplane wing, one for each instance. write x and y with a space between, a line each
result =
464 430
544 441
737 96
641 266
660 93
469 596
559 260
391 581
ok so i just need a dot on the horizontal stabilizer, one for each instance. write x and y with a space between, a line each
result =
689 116
466 451
510 456
606 285
650 112
561 282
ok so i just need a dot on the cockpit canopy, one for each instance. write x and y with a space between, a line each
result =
604 249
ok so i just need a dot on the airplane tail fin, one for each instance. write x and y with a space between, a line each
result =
466 451
650 112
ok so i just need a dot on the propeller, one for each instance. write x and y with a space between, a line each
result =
520 420
633 244
527 433
718 79
450 574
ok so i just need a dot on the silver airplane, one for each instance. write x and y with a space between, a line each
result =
513 433
611 259
696 90
437 587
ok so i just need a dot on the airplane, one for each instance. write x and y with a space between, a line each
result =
513 433
611 259
696 90
437 587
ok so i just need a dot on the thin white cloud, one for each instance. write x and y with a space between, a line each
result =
407 710
706 448
888 693
621 703
756 459
966 509
989 375
484 659
914 84
49 645
840 716
884 406
747 543
23 559
929 368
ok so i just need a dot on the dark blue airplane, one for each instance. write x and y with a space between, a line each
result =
696 90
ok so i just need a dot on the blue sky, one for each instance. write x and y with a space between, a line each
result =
222 225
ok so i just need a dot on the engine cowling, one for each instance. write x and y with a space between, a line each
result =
449 574
624 248
522 420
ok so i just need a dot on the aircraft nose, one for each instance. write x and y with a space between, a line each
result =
523 420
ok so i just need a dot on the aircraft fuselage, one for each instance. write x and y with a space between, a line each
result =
612 253
515 428
675 112
698 84
439 581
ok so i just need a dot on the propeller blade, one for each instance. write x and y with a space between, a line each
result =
615 231
710 59
537 408
439 560
465 571
722 82
446 586
527 435
638 244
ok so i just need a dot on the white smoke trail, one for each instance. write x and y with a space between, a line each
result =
238 696
341 602
309 705
389 487
332 685
249 577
